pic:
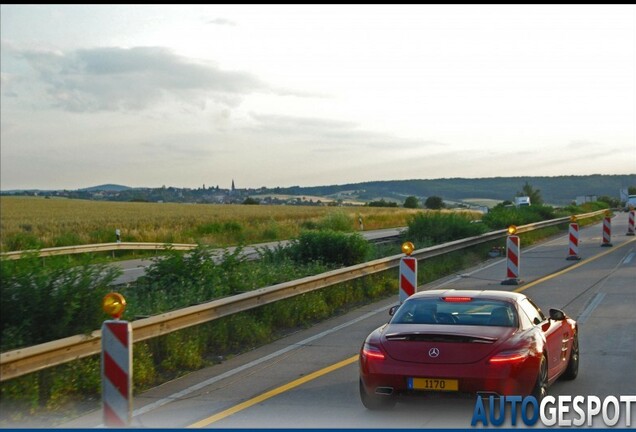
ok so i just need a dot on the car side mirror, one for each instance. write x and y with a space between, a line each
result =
557 315
392 310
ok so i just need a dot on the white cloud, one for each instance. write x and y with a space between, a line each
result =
314 94
132 79
222 21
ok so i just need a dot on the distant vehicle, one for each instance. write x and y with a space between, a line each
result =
521 201
467 342
631 202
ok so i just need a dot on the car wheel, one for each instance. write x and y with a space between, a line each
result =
572 369
541 386
376 402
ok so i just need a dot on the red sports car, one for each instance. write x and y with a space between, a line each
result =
478 342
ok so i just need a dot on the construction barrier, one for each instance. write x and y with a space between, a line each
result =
630 223
607 232
116 363
117 373
512 257
573 253
408 277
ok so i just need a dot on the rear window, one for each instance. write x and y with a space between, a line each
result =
456 311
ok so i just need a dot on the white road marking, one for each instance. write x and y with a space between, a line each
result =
598 298
239 369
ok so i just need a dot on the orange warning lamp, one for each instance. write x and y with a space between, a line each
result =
408 248
573 218
114 304
512 230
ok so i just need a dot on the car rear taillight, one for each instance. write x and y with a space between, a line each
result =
457 299
507 357
372 352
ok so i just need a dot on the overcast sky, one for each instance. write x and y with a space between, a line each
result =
279 95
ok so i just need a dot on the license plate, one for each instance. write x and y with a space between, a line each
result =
433 384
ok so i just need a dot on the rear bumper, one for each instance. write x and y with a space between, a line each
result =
508 379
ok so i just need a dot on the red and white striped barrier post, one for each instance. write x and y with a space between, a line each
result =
573 253
512 257
408 273
607 230
116 364
630 223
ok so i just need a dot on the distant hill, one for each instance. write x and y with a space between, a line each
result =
554 190
106 188
558 191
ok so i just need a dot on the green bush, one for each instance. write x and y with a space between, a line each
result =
183 353
209 228
336 221
102 235
272 231
309 225
22 241
52 389
431 228
329 247
183 279
41 302
586 207
180 279
501 217
67 239
144 371
381 203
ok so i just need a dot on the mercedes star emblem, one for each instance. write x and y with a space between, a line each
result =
433 352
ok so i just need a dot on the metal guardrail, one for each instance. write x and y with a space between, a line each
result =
35 358
101 247
108 247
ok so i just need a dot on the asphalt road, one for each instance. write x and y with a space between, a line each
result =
310 379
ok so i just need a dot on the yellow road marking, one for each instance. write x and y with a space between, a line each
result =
575 266
248 403
251 402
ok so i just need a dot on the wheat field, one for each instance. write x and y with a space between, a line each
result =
37 222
